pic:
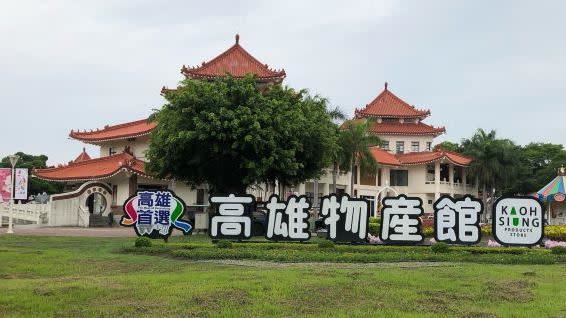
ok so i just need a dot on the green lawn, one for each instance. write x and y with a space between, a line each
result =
75 277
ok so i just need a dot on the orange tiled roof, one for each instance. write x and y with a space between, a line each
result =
419 158
82 156
413 129
116 132
237 62
93 169
384 157
388 105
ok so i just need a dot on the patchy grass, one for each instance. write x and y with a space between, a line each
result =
88 277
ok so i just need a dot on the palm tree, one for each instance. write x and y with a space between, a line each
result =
496 161
337 115
355 142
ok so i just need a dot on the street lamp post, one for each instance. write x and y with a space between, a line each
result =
13 160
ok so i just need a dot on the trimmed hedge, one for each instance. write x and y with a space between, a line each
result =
312 252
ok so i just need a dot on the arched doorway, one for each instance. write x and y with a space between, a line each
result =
96 203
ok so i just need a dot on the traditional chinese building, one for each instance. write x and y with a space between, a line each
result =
408 163
101 185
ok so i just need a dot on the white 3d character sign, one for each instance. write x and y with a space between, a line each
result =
288 221
233 216
346 219
457 220
400 222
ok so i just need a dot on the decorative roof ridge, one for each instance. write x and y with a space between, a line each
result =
124 154
189 70
108 128
420 112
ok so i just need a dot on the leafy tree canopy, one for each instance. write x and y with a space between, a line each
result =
230 133
32 161
510 168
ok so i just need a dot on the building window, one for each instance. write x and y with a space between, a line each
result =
400 147
414 146
355 172
114 195
428 146
111 151
367 177
371 200
385 145
430 172
399 178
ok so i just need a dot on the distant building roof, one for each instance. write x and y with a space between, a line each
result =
388 105
116 132
384 157
82 156
413 129
237 62
93 169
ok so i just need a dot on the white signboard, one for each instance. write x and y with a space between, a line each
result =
21 186
518 221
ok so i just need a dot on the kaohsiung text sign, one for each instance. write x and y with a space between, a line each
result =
515 220
346 219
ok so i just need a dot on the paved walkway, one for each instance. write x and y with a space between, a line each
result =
36 230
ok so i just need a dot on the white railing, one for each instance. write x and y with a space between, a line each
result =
36 213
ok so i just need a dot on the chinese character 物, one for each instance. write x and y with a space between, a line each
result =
346 220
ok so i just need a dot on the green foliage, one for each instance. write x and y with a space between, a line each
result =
355 142
555 232
558 250
36 186
142 241
450 146
373 229
440 247
428 231
374 220
310 252
326 244
230 134
224 244
510 168
496 161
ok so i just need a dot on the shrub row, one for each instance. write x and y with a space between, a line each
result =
328 252
553 232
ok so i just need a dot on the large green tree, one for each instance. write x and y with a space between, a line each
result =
496 161
231 133
35 186
539 164
355 142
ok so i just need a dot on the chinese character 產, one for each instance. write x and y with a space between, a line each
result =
457 220
400 223
288 221
346 219
233 217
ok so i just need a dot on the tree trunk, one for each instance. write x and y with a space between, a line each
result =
334 176
352 179
484 200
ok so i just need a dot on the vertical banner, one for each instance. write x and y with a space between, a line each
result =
5 184
21 185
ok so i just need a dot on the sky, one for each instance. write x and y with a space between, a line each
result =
68 64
